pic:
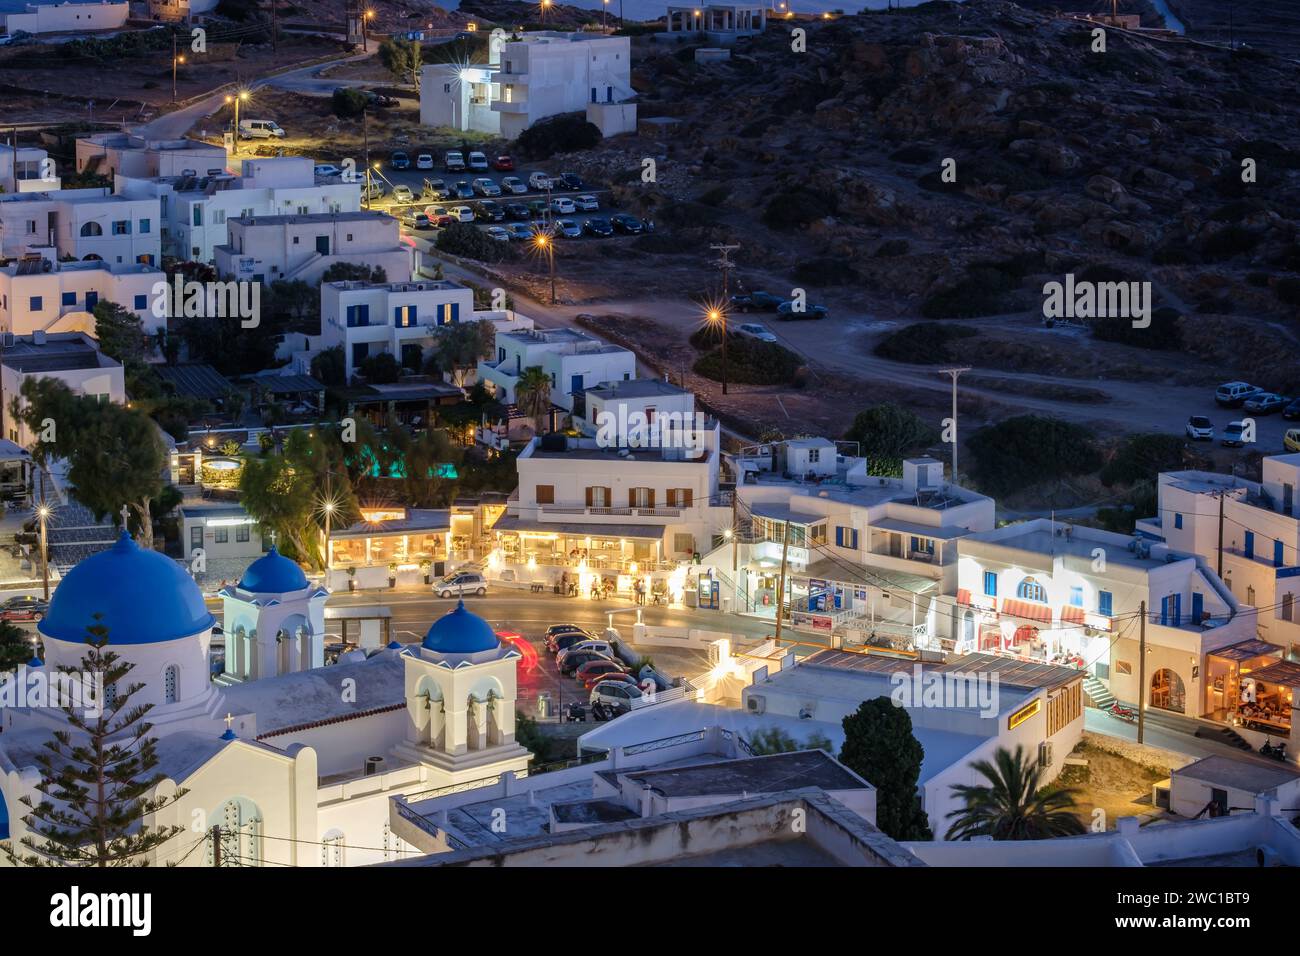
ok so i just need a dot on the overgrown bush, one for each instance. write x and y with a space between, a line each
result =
464 240
797 208
889 432
1164 332
751 362
567 132
1029 449
923 343
348 102
1138 457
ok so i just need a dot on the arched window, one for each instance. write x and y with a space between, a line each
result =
1031 590
171 678
331 849
92 229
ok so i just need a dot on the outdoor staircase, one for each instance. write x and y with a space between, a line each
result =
1098 693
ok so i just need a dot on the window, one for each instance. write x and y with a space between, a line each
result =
1104 603
297 240
122 227
218 217
69 298
171 677
196 536
684 543
640 497
88 229
1178 519
358 315
1076 596
331 849
991 583
814 455
144 227
1123 667
680 497
546 494
597 497
1288 607
1031 590
1065 707
404 316
222 535
197 218
241 532
846 538
35 304
141 302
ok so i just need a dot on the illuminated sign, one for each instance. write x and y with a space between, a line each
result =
1024 713
227 522
375 515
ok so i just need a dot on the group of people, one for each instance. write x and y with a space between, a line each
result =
602 588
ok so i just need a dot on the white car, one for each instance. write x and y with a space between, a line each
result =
568 228
539 181
485 187
1200 428
424 161
327 169
498 233
403 194
754 330
478 161
563 205
586 203
513 184
462 213
618 697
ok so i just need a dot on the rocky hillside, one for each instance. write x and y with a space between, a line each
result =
1129 162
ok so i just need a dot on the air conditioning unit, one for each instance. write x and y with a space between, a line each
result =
756 703
1045 753
374 765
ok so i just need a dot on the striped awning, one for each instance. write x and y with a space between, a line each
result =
963 597
1072 615
1027 609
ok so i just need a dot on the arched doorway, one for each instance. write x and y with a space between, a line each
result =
1167 691
968 629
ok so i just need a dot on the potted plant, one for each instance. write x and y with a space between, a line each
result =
392 575
425 566
352 579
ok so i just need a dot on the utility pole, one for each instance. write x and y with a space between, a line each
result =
735 539
365 147
1219 570
780 585
724 263
954 372
174 62
1142 668
43 512
216 846
274 4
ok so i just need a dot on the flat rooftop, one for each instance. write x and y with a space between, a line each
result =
1248 775
670 455
637 388
295 219
786 771
1040 537
60 352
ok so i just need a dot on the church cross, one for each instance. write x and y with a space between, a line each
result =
229 720
126 513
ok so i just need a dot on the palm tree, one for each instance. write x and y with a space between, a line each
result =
1014 806
533 395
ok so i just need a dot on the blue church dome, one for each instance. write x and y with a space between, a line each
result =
460 631
141 596
273 573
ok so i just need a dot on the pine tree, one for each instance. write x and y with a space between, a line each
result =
96 778
880 748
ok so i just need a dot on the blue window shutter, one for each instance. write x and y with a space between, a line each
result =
1198 606
455 313
1250 544
69 298
991 583
1277 554
1104 603
1178 520
839 537
141 302
855 539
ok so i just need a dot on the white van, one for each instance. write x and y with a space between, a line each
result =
260 129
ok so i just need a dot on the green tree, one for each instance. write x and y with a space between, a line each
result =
329 368
459 348
1020 452
292 304
774 740
533 395
114 453
880 748
1014 805
120 333
888 430
97 779
354 272
402 58
381 369
15 648
348 102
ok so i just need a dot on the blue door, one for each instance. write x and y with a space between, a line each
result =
575 385
1198 606
91 299
1250 544
1277 554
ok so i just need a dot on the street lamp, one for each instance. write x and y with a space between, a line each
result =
545 243
365 28
545 5
43 512
175 61
604 11
239 97
717 316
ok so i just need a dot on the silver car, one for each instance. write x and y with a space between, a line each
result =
460 584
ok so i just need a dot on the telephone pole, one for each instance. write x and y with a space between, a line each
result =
1219 570
780 584
1142 668
955 373
724 263
274 4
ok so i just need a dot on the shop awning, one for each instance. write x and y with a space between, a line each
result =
1282 672
963 597
1246 650
1027 609
1025 633
1072 615
578 530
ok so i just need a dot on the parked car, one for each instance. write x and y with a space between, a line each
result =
754 330
616 697
593 646
373 190
462 189
24 607
594 670
403 194
568 181
573 658
434 189
1292 410
1200 428
628 225
488 211
503 164
382 100
539 180
1234 435
462 213
586 203
563 640
1233 394
419 221
616 676
756 302
485 187
440 216
478 161
563 205
260 129
1291 440
538 208
326 170
453 161
519 231
497 233
598 227
461 583
785 311
517 210
1266 403
513 185
424 161
399 160
568 228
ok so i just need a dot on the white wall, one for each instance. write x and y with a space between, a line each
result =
68 18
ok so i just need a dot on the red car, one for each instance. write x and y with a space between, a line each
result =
503 164
595 670
23 608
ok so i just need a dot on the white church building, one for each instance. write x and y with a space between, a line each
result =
297 767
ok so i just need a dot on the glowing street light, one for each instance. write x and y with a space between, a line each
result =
366 17
717 316
545 5
43 513
234 100
545 243
175 60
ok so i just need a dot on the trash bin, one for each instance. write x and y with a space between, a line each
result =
544 710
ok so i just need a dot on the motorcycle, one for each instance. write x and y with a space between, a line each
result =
1123 713
1268 750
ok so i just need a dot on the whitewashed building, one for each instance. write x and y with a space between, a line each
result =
81 223
125 154
39 293
26 169
572 359
71 357
69 16
303 247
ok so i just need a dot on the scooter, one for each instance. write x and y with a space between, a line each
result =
1123 713
1268 750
